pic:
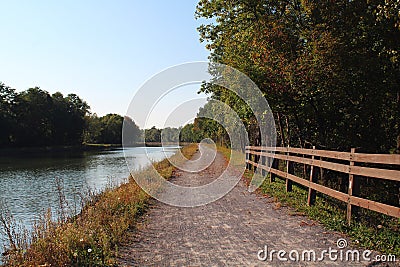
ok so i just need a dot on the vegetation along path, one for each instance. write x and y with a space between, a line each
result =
228 232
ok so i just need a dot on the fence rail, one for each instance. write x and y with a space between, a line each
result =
260 158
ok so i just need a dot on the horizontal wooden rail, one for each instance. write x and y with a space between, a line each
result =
356 170
308 157
393 159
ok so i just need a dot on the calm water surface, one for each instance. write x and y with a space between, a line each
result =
28 183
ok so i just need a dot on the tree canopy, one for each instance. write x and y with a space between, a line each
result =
329 69
108 129
36 118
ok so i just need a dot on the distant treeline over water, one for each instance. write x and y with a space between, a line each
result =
36 118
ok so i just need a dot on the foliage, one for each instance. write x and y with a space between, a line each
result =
131 132
329 70
36 118
7 103
169 134
108 129
188 133
152 135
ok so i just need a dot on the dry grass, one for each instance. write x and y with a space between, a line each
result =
92 237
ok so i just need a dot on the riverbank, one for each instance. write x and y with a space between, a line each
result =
77 148
56 149
92 237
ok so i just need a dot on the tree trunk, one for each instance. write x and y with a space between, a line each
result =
283 141
288 137
398 123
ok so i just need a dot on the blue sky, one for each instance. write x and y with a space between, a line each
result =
101 50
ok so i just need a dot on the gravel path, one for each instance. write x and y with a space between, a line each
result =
227 232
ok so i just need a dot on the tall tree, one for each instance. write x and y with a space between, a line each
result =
7 116
111 129
132 133
32 110
328 69
36 118
152 135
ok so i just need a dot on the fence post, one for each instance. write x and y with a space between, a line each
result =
253 159
247 158
263 160
313 178
275 165
354 190
289 170
256 160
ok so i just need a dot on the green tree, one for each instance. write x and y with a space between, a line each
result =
111 129
153 135
132 133
77 110
7 116
186 134
169 134
93 127
34 126
328 69
108 130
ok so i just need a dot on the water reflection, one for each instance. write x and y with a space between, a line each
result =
27 182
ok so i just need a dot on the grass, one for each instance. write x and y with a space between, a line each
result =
90 238
383 237
101 145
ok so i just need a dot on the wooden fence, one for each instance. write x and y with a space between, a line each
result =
259 158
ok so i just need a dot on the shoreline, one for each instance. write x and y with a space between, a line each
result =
90 237
14 151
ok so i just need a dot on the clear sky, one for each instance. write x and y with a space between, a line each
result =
101 50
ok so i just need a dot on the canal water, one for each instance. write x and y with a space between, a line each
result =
28 182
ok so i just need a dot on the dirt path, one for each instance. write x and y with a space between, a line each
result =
227 232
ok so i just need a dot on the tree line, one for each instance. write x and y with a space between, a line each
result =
35 118
108 129
172 134
329 69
